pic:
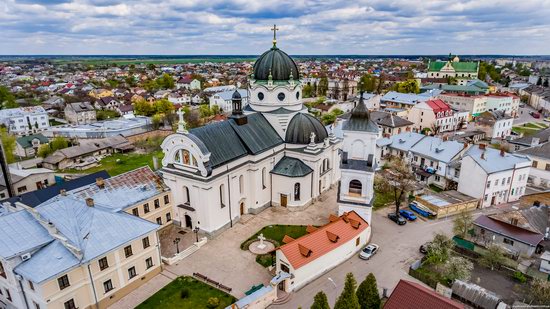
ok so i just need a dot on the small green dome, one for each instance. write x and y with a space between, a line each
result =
277 63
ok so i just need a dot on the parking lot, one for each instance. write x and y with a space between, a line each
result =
398 249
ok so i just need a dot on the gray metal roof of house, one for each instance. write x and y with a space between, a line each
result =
543 136
93 230
227 141
389 120
228 95
20 234
435 148
493 162
291 167
404 98
405 141
540 151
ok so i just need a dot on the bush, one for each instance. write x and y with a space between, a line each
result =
519 277
213 302
265 260
184 293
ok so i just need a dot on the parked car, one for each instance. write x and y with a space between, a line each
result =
369 251
407 214
397 219
522 105
424 248
536 115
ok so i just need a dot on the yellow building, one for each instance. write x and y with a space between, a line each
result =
100 93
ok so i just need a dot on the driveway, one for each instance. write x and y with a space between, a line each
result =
398 249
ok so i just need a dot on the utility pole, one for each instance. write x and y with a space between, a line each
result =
5 171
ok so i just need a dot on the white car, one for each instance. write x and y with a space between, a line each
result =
368 251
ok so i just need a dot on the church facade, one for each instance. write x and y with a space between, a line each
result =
271 153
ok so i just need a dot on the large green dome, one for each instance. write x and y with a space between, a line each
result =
276 62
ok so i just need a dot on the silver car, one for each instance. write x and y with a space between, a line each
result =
368 251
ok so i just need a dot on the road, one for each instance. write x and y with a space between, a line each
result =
398 249
524 117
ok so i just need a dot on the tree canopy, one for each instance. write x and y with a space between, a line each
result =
396 179
348 298
8 142
320 301
7 99
462 224
367 293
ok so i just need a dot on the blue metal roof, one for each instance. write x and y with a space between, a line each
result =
291 167
21 233
493 162
435 148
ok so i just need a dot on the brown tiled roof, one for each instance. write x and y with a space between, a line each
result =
411 295
311 229
332 218
509 230
287 239
318 243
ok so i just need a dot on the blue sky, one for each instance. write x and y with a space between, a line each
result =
243 27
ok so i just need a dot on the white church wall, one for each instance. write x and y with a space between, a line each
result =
285 185
367 183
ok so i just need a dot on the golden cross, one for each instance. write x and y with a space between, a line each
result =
274 29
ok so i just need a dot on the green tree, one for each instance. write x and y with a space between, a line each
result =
494 257
323 86
367 83
44 150
215 109
458 268
59 142
205 111
348 298
409 86
163 106
328 118
439 250
7 99
8 142
165 81
540 290
320 301
142 107
367 293
462 224
306 91
156 121
396 179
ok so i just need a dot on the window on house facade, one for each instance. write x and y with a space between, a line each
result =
508 241
241 184
135 212
145 242
132 272
108 286
488 184
157 203
187 196
547 167
168 217
159 221
149 262
70 304
535 163
263 178
146 208
22 189
128 251
31 285
357 241
355 188
63 282
222 195
297 192
103 263
166 199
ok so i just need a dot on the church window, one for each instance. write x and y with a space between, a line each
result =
298 95
355 188
241 184
187 197
263 178
186 157
260 96
297 191
222 195
281 96
177 157
194 161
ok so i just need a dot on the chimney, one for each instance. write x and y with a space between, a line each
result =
514 221
63 192
465 145
483 155
482 146
535 141
502 152
90 202
100 183
445 138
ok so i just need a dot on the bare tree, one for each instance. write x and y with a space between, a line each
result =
462 223
435 128
396 178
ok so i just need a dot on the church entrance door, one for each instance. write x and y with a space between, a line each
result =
188 222
283 200
242 208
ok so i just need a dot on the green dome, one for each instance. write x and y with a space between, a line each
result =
278 63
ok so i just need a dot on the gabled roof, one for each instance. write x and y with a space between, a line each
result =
411 295
540 151
317 243
467 67
291 167
436 148
404 98
509 230
492 160
26 141
438 105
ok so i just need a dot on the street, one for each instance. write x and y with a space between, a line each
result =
398 249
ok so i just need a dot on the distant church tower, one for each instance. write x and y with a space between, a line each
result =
358 163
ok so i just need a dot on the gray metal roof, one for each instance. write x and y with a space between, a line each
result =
360 120
493 162
20 234
300 127
257 134
291 167
436 148
540 151
276 63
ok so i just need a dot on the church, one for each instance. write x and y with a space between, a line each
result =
272 153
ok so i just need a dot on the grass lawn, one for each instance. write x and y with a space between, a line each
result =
525 130
197 297
435 188
126 162
276 233
535 125
382 198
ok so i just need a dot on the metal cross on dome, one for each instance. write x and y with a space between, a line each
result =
274 29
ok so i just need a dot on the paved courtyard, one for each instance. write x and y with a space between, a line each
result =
224 261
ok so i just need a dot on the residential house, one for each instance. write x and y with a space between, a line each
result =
80 113
474 104
188 83
494 176
100 93
436 116
495 124
471 89
109 103
304 259
507 102
25 120
223 99
70 253
341 89
394 99
27 180
528 141
126 110
27 146
539 175
412 295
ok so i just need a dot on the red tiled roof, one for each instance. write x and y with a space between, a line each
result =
323 240
509 230
411 295
438 106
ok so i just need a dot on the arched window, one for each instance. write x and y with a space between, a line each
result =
222 195
241 184
263 178
355 187
186 195
297 191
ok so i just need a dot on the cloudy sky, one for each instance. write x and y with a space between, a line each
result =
178 27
